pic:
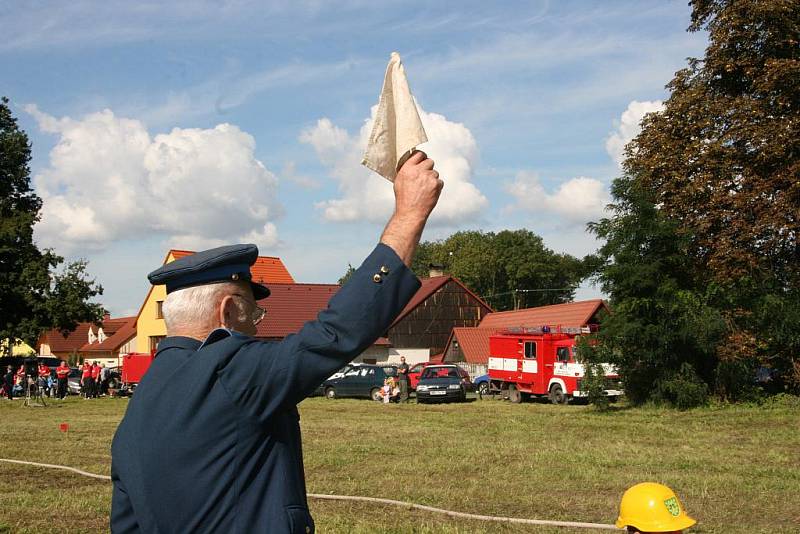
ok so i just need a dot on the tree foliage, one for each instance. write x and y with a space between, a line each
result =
701 253
33 296
510 269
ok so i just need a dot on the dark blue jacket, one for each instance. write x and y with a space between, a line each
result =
211 439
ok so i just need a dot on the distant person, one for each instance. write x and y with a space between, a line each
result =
8 382
652 507
20 380
44 379
403 379
95 380
86 380
62 374
103 379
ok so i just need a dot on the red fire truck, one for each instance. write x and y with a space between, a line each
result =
541 361
134 366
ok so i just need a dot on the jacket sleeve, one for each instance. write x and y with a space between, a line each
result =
262 377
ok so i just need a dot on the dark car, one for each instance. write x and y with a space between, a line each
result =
338 374
442 383
358 380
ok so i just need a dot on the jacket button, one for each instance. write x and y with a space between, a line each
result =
384 269
308 529
377 278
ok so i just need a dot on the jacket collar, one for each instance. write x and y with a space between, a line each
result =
178 342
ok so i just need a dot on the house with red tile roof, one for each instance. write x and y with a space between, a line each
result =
471 345
290 306
101 342
424 326
420 330
115 337
573 314
150 327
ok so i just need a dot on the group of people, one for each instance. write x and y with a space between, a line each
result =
53 383
396 389
42 380
94 380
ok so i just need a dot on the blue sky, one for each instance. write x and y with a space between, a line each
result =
190 124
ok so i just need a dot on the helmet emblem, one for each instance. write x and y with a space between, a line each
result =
673 506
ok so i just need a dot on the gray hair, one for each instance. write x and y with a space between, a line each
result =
196 307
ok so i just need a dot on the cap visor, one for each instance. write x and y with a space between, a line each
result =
259 291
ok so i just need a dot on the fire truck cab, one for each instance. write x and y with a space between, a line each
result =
541 361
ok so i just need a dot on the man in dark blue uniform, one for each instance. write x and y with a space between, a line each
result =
211 439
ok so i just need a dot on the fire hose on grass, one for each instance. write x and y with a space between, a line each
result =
377 500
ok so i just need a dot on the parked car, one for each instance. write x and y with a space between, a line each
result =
481 384
414 373
358 380
74 381
443 383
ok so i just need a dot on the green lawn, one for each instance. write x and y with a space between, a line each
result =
736 468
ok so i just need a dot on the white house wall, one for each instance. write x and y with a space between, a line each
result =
413 356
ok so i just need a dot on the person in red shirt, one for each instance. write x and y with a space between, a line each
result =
95 380
86 380
20 380
62 374
44 379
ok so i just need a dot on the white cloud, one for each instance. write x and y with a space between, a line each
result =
289 173
366 196
628 127
575 202
108 179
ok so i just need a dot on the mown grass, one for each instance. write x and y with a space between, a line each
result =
736 468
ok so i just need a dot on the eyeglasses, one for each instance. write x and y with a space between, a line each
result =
257 313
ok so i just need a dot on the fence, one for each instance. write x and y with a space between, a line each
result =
474 369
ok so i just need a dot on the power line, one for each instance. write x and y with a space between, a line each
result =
527 291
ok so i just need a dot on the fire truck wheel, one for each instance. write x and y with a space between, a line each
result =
557 395
330 393
514 395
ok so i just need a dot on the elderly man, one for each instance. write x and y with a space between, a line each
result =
222 453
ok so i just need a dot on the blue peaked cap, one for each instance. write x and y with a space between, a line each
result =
223 264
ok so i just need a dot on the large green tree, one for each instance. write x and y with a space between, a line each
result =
510 269
34 294
701 255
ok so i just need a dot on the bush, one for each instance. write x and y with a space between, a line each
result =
683 390
593 381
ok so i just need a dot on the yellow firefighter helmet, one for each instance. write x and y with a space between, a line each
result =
652 507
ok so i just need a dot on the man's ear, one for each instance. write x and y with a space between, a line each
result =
227 311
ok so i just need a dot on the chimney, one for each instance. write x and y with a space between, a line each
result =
435 269
106 316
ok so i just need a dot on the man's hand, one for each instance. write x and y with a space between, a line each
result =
416 192
416 187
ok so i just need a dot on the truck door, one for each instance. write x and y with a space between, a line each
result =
562 366
529 364
547 359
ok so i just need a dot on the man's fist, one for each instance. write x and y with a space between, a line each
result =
416 187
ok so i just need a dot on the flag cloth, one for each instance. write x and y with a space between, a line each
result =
397 129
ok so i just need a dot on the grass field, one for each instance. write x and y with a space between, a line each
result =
736 468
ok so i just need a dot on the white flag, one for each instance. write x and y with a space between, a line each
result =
397 129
